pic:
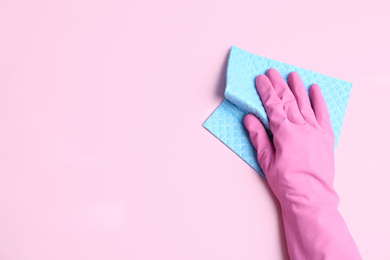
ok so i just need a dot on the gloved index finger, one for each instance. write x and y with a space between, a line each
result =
272 103
280 85
284 93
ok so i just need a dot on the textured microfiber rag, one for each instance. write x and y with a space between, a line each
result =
241 98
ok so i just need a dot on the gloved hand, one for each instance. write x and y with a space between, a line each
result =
299 166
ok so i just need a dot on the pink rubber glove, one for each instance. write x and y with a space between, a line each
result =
299 166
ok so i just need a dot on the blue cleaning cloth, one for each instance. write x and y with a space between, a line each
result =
241 98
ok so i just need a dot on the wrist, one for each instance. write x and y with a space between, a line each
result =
308 198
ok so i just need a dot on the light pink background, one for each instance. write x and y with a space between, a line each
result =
102 150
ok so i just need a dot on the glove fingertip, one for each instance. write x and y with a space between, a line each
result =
249 121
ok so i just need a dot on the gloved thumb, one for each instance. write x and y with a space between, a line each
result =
260 140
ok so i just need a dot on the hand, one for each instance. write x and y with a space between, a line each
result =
300 161
299 166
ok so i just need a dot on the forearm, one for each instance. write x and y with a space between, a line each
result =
317 232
